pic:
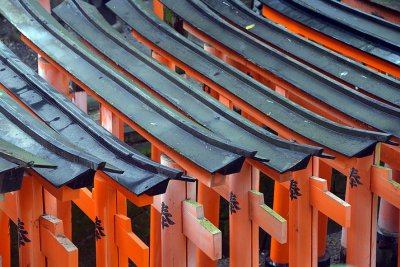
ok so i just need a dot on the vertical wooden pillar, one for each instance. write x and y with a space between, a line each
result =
173 241
239 220
105 209
359 234
158 9
322 170
30 202
57 208
300 214
279 253
5 244
210 201
53 76
80 100
155 220
115 126
255 235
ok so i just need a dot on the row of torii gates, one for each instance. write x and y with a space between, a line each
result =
276 76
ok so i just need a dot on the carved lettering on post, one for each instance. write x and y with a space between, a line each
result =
99 230
233 203
166 220
294 190
22 234
354 178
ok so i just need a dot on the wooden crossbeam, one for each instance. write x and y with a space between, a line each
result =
58 249
85 203
201 231
8 206
327 203
384 186
63 194
129 245
270 221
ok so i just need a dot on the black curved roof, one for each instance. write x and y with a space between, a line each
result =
350 102
277 153
75 168
343 68
344 140
13 163
186 138
140 174
334 28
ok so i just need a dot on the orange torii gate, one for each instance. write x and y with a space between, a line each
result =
190 231
361 216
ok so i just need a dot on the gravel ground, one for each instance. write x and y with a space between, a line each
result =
10 37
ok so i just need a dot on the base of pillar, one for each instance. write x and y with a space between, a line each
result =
324 261
270 263
386 249
342 255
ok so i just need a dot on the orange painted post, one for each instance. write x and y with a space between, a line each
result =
163 60
196 215
60 81
54 245
105 208
300 214
30 208
5 244
359 196
158 9
155 220
255 233
80 100
240 238
322 170
155 236
210 201
279 253
173 241
53 76
129 245
388 220
115 126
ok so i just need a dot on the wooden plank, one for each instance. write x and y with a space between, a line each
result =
129 244
210 200
85 203
384 186
201 231
30 208
10 206
327 203
300 214
360 197
5 244
105 207
171 221
239 221
270 221
57 248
